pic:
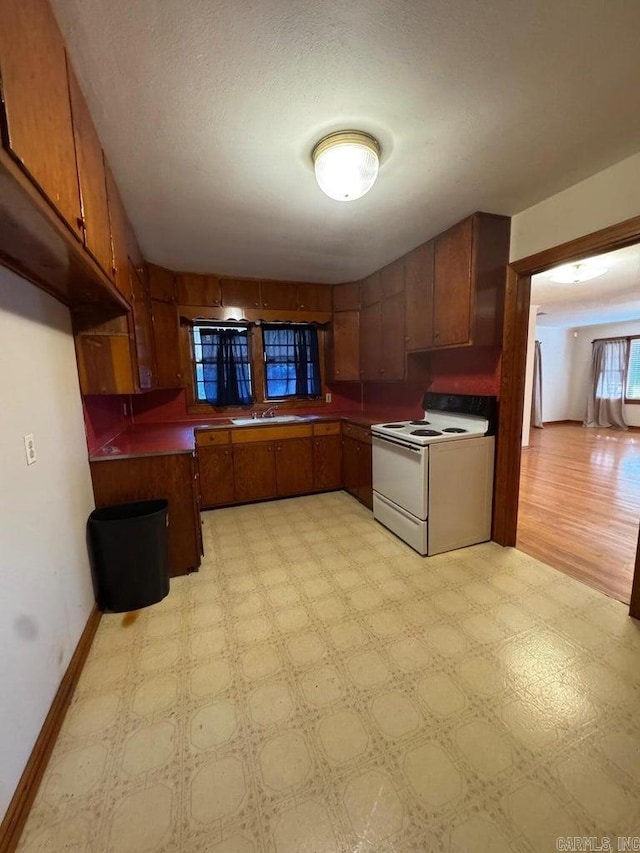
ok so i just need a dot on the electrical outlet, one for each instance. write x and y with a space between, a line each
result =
30 449
327 398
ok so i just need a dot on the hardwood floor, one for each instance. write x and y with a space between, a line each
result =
580 504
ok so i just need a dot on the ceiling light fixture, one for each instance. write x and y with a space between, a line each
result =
577 273
346 164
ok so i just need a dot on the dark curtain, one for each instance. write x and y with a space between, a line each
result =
225 362
292 361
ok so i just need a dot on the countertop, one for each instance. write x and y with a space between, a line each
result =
162 439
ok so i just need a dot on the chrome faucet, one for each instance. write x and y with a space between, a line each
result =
270 412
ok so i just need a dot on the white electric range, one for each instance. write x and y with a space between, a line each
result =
433 477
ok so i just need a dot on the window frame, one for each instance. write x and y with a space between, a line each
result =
212 324
291 398
256 355
631 401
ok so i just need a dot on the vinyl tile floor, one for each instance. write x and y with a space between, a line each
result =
319 687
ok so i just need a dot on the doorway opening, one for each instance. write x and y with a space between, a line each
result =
579 500
516 335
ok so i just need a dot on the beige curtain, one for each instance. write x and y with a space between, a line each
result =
536 396
608 381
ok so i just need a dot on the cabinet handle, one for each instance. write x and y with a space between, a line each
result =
436 334
382 370
337 373
80 223
406 340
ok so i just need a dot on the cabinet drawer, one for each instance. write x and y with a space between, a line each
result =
247 435
205 438
332 428
357 432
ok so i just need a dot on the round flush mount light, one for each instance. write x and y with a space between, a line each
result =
346 164
577 273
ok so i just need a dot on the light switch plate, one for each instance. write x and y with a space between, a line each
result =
30 449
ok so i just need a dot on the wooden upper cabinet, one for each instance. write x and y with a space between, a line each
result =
240 293
392 335
370 290
452 286
469 277
166 335
419 298
392 279
39 129
143 331
314 297
279 294
118 219
346 346
162 283
92 178
370 355
195 289
346 297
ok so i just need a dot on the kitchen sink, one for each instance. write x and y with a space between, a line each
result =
278 419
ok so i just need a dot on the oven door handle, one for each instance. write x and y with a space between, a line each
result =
401 444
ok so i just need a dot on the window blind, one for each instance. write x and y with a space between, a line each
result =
633 371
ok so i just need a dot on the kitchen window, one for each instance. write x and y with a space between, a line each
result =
291 361
632 391
222 364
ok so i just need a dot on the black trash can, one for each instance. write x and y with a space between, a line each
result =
128 544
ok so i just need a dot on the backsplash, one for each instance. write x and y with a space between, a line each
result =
471 370
104 417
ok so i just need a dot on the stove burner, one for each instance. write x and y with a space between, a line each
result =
454 429
393 426
426 432
420 423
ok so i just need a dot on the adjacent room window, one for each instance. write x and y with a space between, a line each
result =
222 364
633 371
291 361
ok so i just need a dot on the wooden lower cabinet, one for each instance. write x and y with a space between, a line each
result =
327 463
254 471
357 464
294 467
217 487
142 478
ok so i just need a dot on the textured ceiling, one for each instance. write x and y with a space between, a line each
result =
208 110
610 298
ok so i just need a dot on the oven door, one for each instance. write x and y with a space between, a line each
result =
400 474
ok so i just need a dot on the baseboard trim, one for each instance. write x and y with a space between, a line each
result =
22 800
564 421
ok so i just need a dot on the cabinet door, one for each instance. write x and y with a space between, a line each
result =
370 364
392 338
370 291
240 293
327 463
254 471
118 220
392 279
350 455
143 332
418 279
216 476
198 290
105 362
279 294
365 474
162 283
294 466
39 130
149 477
346 346
166 334
93 184
452 286
346 297
314 297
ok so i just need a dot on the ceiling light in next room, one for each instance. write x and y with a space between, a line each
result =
346 164
577 273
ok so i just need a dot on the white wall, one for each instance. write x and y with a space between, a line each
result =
558 347
46 593
528 381
582 366
604 199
